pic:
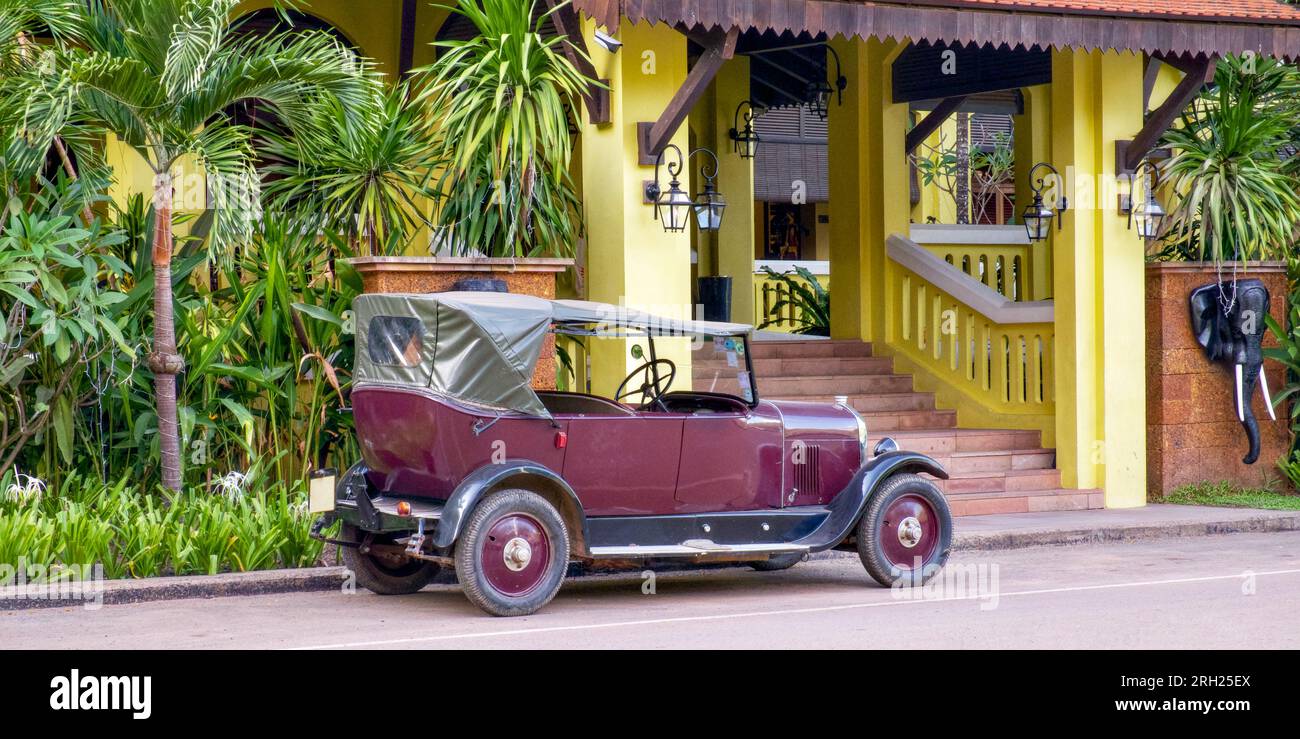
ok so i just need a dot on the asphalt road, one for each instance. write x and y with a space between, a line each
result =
1235 591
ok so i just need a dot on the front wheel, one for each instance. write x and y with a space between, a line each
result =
512 555
905 534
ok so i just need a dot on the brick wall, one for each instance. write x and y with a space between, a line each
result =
1193 434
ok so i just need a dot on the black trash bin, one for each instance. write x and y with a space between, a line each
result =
715 296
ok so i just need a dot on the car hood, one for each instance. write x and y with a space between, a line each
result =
815 420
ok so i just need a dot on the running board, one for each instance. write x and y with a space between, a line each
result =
696 548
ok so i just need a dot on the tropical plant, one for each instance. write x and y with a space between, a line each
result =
1235 197
503 100
159 74
370 180
803 297
134 533
56 322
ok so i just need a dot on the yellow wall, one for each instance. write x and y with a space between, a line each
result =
1100 316
869 193
630 258
735 240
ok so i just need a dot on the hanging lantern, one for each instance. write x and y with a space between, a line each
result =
673 207
709 204
819 92
1149 215
1037 216
745 140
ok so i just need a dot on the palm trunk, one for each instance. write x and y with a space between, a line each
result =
164 361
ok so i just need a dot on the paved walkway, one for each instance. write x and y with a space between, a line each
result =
1012 530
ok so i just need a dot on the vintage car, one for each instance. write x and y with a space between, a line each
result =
465 465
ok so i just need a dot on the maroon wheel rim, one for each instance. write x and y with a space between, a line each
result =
909 532
515 554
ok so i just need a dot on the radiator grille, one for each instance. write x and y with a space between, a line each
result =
808 473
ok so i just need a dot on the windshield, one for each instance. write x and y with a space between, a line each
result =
720 364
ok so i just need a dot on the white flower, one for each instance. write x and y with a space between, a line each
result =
232 484
25 488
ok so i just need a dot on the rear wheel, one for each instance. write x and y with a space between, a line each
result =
905 534
512 555
778 562
383 572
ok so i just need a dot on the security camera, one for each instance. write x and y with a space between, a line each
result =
608 42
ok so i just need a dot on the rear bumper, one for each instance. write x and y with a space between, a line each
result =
353 504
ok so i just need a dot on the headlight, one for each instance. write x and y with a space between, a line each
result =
884 445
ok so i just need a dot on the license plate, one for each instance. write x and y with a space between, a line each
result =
321 493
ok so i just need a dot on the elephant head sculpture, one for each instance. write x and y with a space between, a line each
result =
1228 320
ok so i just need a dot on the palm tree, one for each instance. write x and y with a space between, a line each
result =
158 75
368 182
504 100
1235 195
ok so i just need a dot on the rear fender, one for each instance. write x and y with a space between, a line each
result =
521 474
847 508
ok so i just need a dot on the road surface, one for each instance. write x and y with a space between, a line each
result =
1235 591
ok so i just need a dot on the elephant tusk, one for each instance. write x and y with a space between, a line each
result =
1241 410
1263 386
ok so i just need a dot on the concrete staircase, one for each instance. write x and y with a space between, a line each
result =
993 470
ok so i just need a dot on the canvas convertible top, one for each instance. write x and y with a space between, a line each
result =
481 347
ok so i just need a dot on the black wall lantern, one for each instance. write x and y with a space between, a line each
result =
673 207
819 92
745 139
1148 215
1037 216
709 204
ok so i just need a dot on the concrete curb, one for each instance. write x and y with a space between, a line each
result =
117 592
1264 523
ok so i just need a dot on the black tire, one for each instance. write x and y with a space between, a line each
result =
477 542
385 575
778 562
895 493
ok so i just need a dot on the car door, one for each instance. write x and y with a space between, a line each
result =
624 465
730 461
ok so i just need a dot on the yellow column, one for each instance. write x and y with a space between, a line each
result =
735 241
869 195
1098 281
631 260
1033 144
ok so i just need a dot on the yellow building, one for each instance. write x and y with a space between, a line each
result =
1026 357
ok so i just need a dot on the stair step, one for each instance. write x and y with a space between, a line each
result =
1000 460
946 442
1018 482
1064 499
909 419
810 349
769 367
878 402
801 387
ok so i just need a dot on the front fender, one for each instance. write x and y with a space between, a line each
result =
518 473
848 506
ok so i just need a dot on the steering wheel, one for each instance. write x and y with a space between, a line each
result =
653 385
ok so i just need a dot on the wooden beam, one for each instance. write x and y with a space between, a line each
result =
567 23
1149 78
929 124
719 46
1132 152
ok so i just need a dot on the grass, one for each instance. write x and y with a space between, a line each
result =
1234 496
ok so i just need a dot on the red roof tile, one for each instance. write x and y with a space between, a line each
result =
1229 10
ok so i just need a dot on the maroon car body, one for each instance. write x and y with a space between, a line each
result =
648 462
465 464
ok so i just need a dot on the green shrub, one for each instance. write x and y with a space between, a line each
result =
135 532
